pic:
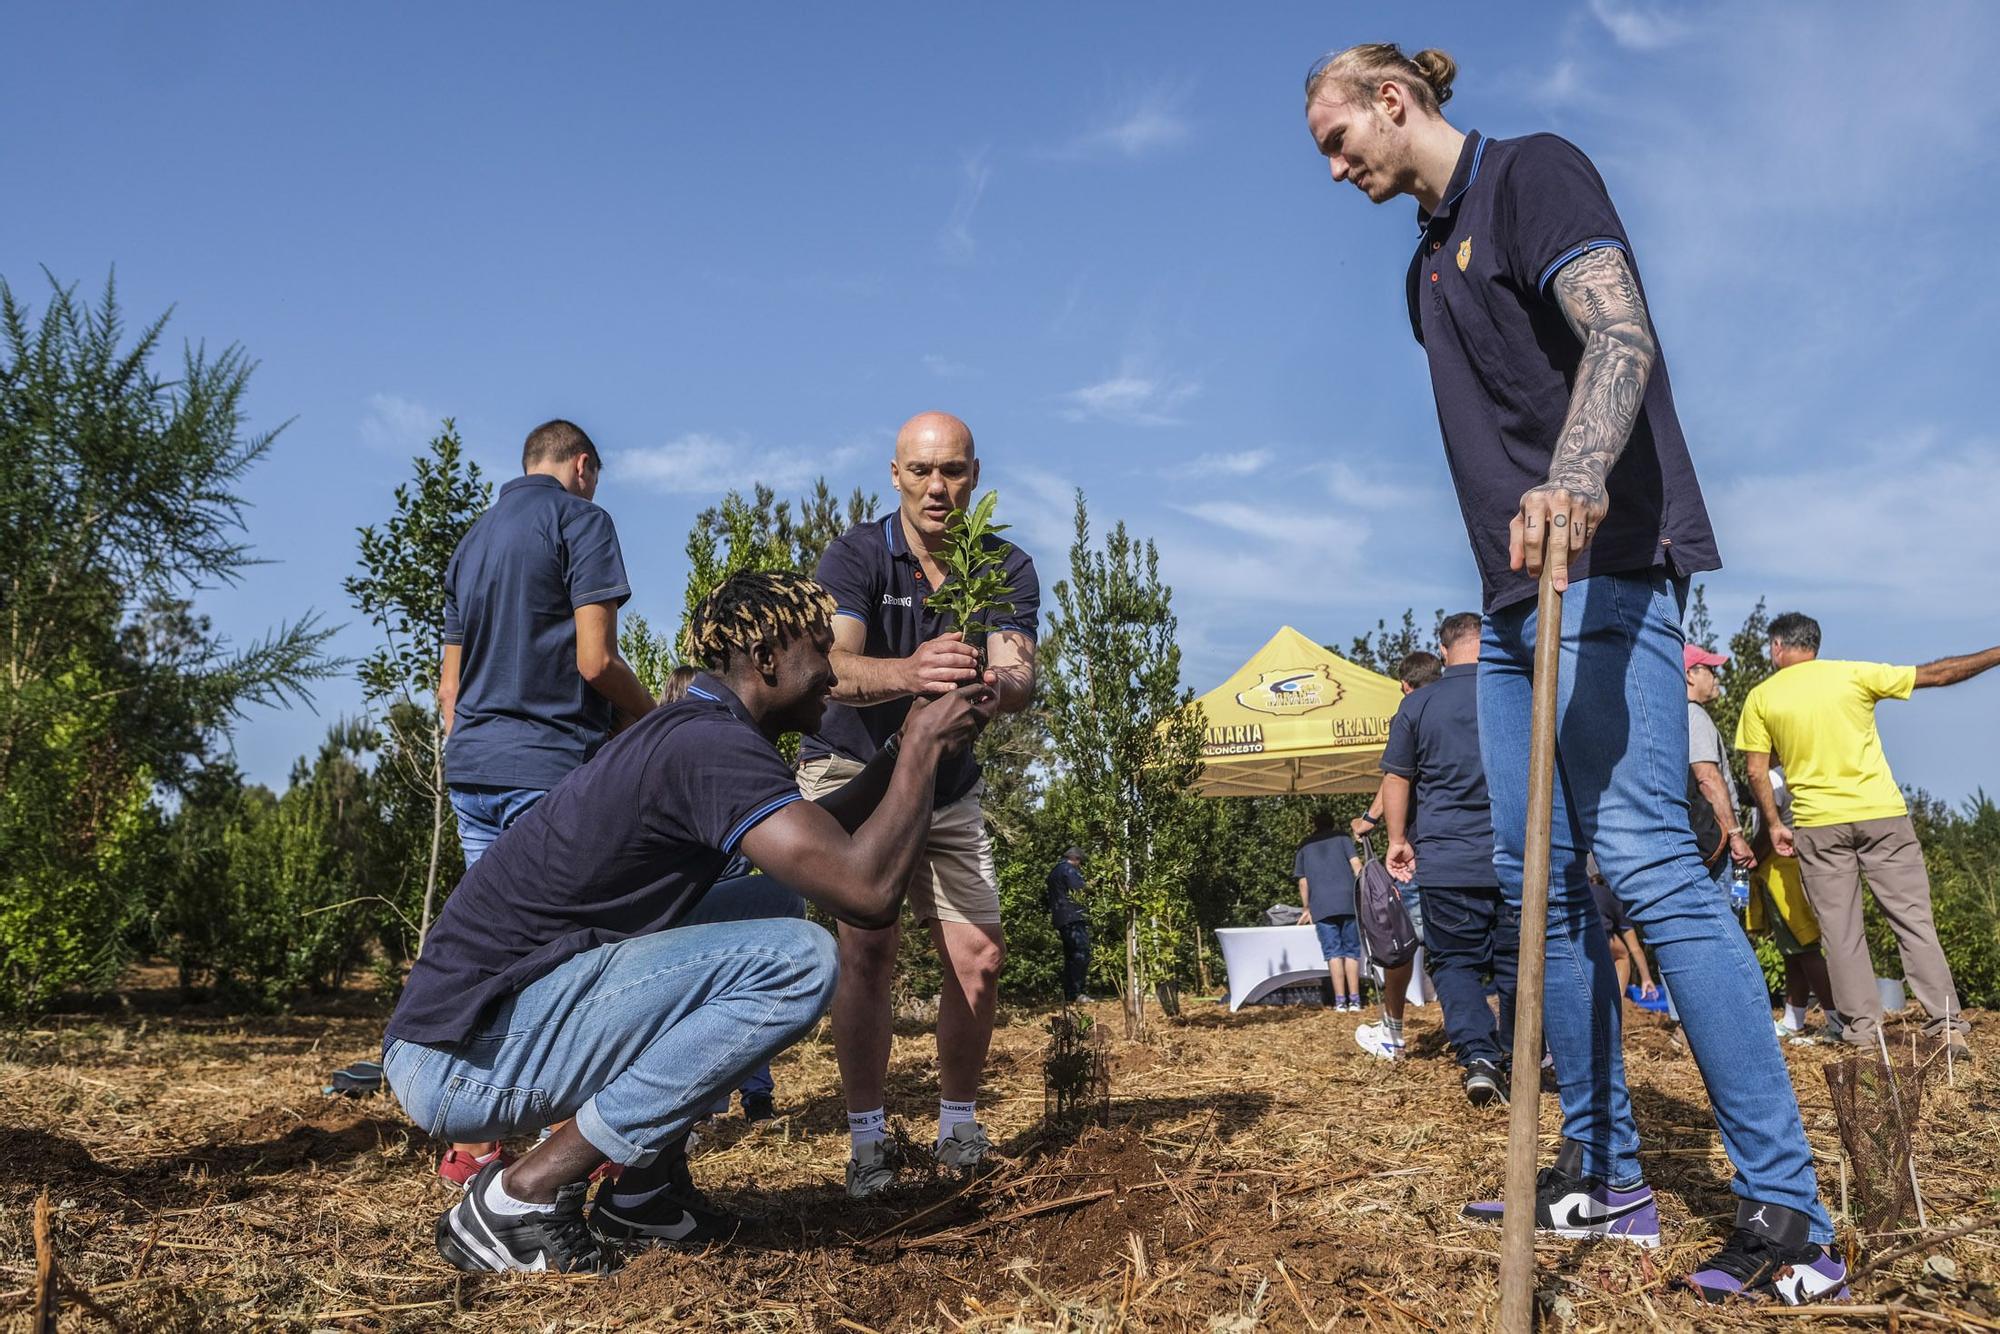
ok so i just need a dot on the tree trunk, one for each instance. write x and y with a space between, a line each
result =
1135 996
1200 960
437 838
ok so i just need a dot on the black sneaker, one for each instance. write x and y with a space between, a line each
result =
759 1107
659 1203
1571 1205
1485 1084
1768 1258
480 1239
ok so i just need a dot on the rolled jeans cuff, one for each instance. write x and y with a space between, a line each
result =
591 1125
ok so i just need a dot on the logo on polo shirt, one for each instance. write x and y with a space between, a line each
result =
1291 691
1464 253
891 600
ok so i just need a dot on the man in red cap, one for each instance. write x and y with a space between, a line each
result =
1712 805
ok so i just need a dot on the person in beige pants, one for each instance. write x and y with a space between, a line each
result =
1816 717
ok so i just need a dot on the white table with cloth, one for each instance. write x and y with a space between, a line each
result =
1261 959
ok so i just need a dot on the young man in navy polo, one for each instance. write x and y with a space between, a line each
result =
583 969
1433 778
891 647
1563 444
531 681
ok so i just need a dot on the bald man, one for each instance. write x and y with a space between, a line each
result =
890 647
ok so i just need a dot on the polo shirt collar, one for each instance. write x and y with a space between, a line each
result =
1462 669
892 534
707 687
530 479
1462 178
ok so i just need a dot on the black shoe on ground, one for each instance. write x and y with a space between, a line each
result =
1768 1258
759 1107
479 1239
1485 1084
659 1203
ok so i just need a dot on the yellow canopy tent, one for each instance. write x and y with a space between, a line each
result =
1297 717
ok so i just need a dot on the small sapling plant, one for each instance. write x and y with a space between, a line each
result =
976 588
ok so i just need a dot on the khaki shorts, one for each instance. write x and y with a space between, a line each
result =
955 880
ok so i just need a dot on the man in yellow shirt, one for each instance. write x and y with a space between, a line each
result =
1817 718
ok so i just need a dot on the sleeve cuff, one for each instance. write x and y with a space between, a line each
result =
843 611
1584 247
619 593
757 817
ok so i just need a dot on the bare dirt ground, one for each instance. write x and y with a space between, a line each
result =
1260 1171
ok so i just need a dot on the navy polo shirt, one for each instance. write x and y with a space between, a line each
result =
1063 881
1434 742
877 580
1324 863
624 846
1503 361
525 717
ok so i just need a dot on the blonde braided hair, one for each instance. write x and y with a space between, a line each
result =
751 607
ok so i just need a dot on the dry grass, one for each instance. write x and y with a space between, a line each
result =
1260 1172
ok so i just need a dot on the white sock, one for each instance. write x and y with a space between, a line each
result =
867 1127
1795 1016
951 1114
500 1202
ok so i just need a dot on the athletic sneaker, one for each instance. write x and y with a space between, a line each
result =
1768 1258
1485 1084
965 1150
659 1203
759 1107
1375 1040
459 1167
479 1239
1571 1205
871 1170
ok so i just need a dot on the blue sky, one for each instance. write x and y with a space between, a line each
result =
745 244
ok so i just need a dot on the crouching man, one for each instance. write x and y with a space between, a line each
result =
574 973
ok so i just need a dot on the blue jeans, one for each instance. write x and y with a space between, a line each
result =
484 813
1621 790
1339 937
634 1039
1468 933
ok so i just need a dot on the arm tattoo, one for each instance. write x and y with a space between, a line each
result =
1601 300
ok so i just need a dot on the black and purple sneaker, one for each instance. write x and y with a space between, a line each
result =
1770 1258
1579 1208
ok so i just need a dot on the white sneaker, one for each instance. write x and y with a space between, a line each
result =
1374 1039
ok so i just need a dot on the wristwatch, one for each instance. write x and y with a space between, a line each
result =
893 744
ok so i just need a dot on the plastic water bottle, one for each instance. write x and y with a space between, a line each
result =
1739 889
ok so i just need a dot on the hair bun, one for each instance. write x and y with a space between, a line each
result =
1438 70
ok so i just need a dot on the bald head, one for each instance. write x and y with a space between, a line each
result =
929 430
934 472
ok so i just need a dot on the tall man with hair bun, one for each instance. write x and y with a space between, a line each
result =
1816 717
1563 445
890 649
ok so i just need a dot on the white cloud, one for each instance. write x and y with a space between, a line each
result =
1637 26
1906 526
393 422
1563 85
1140 394
700 464
1145 121
1041 508
1228 463
944 367
955 241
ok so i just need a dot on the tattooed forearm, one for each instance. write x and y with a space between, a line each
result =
1601 300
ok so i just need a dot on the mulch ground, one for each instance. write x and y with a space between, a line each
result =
1259 1171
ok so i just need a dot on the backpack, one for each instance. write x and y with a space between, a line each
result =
1387 933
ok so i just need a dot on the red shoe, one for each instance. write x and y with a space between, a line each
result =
459 1167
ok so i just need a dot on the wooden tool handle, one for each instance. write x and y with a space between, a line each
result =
1517 1236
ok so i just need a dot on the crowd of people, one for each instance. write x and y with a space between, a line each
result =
629 944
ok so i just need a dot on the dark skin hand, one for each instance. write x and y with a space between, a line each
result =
1600 298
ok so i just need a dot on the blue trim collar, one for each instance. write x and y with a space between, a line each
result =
1475 144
